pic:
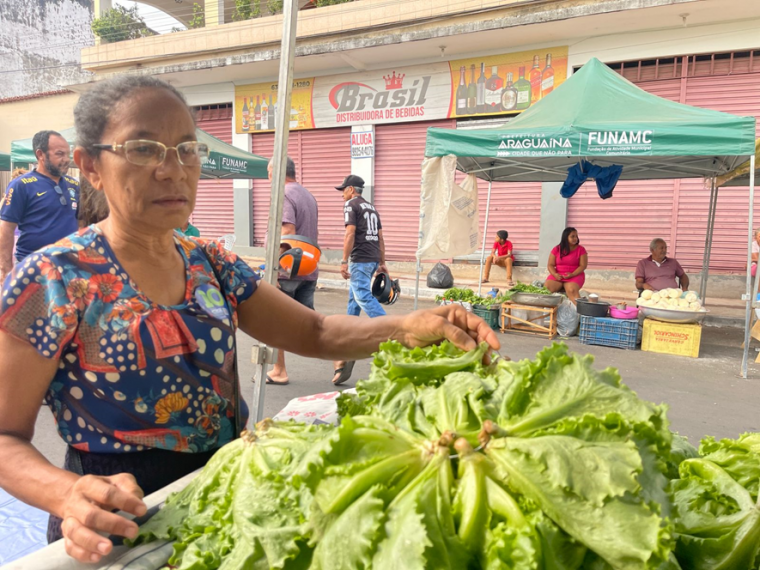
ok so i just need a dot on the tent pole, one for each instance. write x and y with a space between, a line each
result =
417 284
264 356
750 291
708 239
485 233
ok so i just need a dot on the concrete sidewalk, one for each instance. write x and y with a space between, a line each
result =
723 312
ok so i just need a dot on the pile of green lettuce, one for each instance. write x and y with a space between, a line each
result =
443 462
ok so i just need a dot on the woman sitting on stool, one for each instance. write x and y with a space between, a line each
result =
567 263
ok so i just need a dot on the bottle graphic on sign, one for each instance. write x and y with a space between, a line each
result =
301 117
493 91
271 113
257 114
523 91
472 93
547 77
509 94
462 93
535 80
265 114
246 115
481 91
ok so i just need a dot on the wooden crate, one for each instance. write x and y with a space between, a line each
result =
534 321
671 338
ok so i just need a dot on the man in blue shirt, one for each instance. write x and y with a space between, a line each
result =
41 203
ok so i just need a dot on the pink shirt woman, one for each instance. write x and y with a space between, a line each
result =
566 272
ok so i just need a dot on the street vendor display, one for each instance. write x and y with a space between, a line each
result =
127 329
441 461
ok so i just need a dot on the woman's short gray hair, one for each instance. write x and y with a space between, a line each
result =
654 242
94 108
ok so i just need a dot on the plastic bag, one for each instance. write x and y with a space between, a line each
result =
440 277
567 319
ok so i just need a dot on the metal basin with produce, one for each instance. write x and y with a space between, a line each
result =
538 300
673 316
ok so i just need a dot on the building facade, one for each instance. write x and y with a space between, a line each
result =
372 75
41 43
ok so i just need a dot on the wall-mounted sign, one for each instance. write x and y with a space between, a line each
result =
489 85
362 144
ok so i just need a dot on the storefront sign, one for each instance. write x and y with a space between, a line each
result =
362 144
490 85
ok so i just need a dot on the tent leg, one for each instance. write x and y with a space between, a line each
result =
417 284
485 233
279 155
708 240
750 290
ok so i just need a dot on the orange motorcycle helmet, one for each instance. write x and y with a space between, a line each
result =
300 259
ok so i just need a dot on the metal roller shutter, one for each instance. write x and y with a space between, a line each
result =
731 89
617 232
515 207
399 151
263 145
214 207
323 159
325 162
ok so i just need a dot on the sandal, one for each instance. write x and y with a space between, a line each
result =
343 373
276 383
484 281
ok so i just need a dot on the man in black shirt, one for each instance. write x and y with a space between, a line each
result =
363 256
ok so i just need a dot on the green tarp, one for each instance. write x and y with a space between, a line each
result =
225 160
5 161
599 115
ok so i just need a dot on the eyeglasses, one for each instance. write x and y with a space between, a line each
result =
61 196
153 153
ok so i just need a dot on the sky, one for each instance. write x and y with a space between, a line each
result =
155 19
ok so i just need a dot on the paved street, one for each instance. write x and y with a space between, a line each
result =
705 395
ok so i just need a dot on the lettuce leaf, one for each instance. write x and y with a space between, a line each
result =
719 521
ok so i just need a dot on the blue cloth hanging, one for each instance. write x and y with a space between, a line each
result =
606 178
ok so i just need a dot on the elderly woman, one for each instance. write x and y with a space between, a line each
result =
567 265
126 329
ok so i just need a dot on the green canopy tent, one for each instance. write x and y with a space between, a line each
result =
5 161
224 161
599 116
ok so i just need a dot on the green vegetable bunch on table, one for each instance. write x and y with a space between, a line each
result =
443 462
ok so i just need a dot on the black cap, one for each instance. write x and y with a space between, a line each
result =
351 180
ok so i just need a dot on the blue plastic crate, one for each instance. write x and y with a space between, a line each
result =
617 333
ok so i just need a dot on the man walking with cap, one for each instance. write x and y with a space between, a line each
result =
41 203
363 256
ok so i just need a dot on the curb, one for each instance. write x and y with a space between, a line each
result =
407 291
429 294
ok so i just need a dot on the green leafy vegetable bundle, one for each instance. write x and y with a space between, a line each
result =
443 462
526 288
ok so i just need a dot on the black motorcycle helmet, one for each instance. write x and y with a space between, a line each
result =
384 290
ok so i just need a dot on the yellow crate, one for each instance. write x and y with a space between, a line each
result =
671 338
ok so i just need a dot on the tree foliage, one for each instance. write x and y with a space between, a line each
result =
119 24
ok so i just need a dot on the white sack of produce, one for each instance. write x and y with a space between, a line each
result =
647 294
656 297
674 293
441 462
